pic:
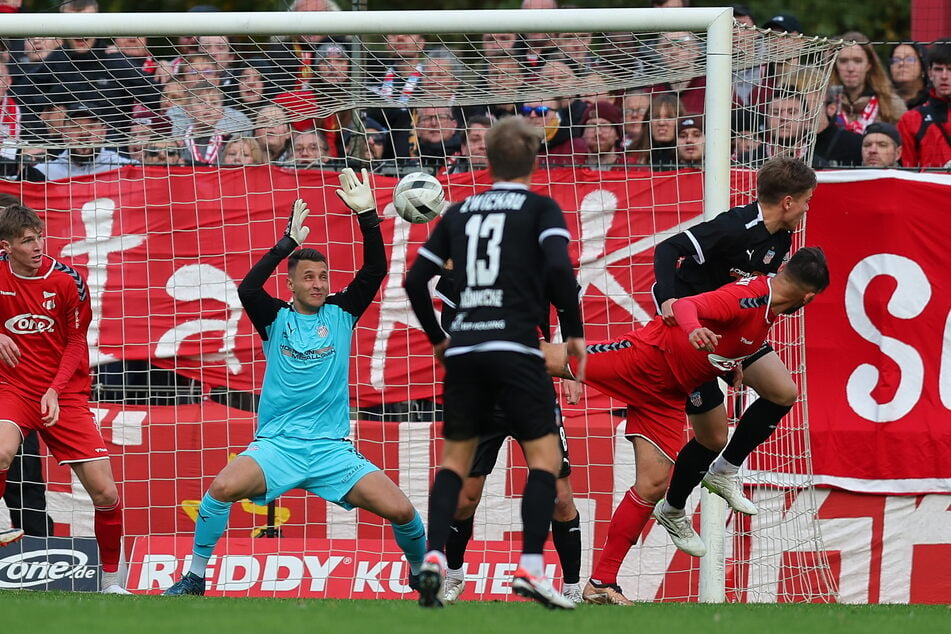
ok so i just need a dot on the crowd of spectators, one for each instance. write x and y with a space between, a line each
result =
78 106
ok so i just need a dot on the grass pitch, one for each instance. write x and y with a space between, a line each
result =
65 612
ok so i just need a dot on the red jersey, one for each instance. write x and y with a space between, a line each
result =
47 316
738 312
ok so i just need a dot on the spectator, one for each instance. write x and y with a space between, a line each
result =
603 126
84 133
533 50
205 124
908 74
785 129
680 52
165 152
498 44
243 151
559 148
665 110
437 135
926 130
443 73
867 93
396 74
746 129
35 51
749 75
218 48
881 145
785 48
309 149
294 59
620 55
472 154
636 140
254 87
332 85
196 68
690 141
136 50
576 48
139 136
835 146
273 132
12 113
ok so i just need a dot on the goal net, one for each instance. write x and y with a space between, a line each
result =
165 164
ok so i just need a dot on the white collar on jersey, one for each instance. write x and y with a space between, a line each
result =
509 185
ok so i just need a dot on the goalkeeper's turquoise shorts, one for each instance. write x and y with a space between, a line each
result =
325 467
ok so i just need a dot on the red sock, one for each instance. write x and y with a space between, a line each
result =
108 528
629 519
3 481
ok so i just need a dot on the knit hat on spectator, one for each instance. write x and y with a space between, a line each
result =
607 111
691 121
330 49
880 127
783 22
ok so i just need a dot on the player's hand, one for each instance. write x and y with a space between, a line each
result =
576 348
704 339
439 350
667 312
296 230
49 408
9 351
572 390
356 193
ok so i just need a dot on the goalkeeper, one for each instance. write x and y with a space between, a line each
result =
303 418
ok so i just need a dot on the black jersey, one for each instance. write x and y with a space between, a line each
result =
733 245
503 244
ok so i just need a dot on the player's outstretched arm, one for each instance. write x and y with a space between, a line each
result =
260 306
358 196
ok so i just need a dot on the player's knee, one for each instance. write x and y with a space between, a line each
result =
650 489
786 397
565 509
224 490
105 495
403 513
713 439
467 507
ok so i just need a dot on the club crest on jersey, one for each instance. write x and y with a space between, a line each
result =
769 256
322 331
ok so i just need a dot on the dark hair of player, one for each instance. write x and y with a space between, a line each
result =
17 219
511 146
312 255
783 176
9 199
808 268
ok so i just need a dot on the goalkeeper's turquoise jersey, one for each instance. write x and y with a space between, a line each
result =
306 392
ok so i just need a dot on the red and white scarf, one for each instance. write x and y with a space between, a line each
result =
210 155
868 116
9 121
411 82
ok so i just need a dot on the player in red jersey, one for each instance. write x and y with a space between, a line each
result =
44 373
654 368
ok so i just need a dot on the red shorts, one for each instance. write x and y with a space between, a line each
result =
638 374
74 438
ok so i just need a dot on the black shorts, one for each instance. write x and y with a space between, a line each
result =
487 451
475 382
709 395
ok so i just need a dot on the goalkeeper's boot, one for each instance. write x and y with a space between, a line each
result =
539 589
604 594
431 576
9 536
453 587
190 583
729 487
680 529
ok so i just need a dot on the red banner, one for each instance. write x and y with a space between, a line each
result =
878 341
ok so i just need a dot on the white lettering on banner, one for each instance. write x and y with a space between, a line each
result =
912 293
366 578
33 568
273 581
910 523
158 570
320 572
99 242
238 573
196 282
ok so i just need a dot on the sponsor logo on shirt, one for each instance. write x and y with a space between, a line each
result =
307 355
30 324
9 293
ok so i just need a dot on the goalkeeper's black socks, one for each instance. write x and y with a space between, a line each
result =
443 499
757 424
691 465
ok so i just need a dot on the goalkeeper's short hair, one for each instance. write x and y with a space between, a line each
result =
312 255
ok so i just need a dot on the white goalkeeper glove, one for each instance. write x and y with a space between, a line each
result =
296 230
355 194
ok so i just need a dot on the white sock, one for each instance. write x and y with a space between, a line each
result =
110 579
198 565
533 564
456 573
669 509
724 467
570 586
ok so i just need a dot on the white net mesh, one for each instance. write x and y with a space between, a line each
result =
166 166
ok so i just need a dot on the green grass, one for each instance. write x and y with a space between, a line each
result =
67 613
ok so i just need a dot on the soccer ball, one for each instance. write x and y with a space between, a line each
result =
418 197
